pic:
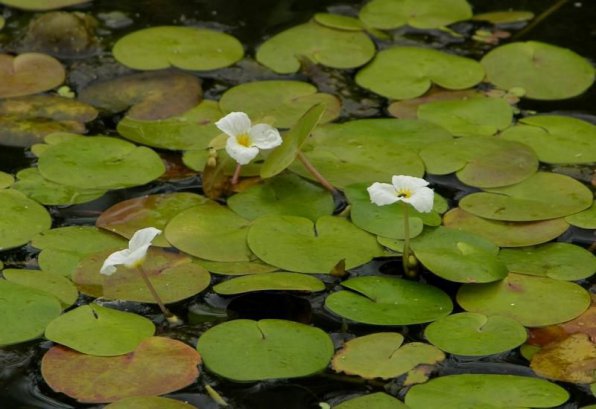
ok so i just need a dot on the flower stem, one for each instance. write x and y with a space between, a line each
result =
169 316
406 253
236 175
313 171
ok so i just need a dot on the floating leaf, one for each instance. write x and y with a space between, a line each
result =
236 267
211 231
29 73
41 4
96 330
570 360
544 71
150 95
278 281
194 129
165 365
469 117
473 334
128 216
487 391
321 44
297 244
556 139
16 131
531 199
246 350
562 261
389 301
506 234
381 355
284 101
533 301
25 312
173 275
481 162
100 162
504 17
459 256
339 22
390 14
408 72
378 400
6 180
148 402
586 219
22 218
408 109
188 48
54 284
286 194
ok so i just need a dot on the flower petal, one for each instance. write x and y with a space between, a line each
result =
234 123
422 199
382 194
240 153
407 182
114 259
265 136
143 237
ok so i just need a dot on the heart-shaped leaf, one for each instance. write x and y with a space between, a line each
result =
277 281
41 4
148 402
29 73
54 284
378 400
22 218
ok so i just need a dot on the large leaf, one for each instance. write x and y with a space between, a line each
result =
41 4
29 73
277 281
149 402
51 283
22 218
377 400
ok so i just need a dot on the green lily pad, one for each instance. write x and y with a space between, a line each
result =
60 287
385 221
165 365
246 350
323 45
586 219
25 312
474 334
469 117
389 301
481 162
193 129
211 232
339 22
278 281
128 216
544 71
531 199
188 48
6 180
562 261
297 244
506 234
459 256
408 109
284 101
286 194
390 14
533 301
64 247
486 391
149 402
283 156
236 267
504 17
96 330
41 4
382 355
377 400
29 73
150 95
556 139
408 72
44 191
2 22
100 162
22 218
174 276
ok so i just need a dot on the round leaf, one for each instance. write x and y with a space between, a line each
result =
473 334
29 73
586 219
533 301
246 350
297 244
6 180
41 4
269 281
54 284
389 301
339 22
378 400
22 218
236 267
148 402
188 48
544 71
95 330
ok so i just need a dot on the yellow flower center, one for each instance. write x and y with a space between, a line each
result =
406 193
244 140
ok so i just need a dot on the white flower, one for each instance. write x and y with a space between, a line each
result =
407 189
245 140
134 255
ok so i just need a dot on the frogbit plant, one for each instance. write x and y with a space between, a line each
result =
245 140
407 190
134 257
